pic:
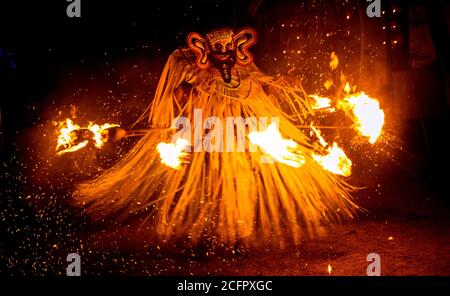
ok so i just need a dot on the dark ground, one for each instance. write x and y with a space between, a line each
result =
406 225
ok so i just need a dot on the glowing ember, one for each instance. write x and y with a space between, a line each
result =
171 154
334 61
320 102
69 139
329 269
366 113
273 144
335 161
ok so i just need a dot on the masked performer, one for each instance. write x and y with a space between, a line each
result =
220 192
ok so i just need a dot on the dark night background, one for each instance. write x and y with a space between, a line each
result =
107 63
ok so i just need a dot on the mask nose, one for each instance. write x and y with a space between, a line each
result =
225 71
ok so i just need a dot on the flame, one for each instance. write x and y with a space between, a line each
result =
329 269
67 137
335 161
328 83
100 133
347 88
366 113
273 144
320 102
171 154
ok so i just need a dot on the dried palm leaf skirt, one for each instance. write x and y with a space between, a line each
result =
229 196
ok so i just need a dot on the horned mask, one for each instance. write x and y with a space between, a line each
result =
223 49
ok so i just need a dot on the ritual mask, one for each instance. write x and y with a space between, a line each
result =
223 49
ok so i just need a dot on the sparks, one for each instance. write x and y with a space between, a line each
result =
171 154
273 144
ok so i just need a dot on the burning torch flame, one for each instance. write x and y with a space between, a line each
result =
329 269
320 102
67 138
273 144
367 114
172 154
100 133
335 161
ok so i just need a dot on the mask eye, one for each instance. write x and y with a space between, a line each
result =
218 46
227 47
